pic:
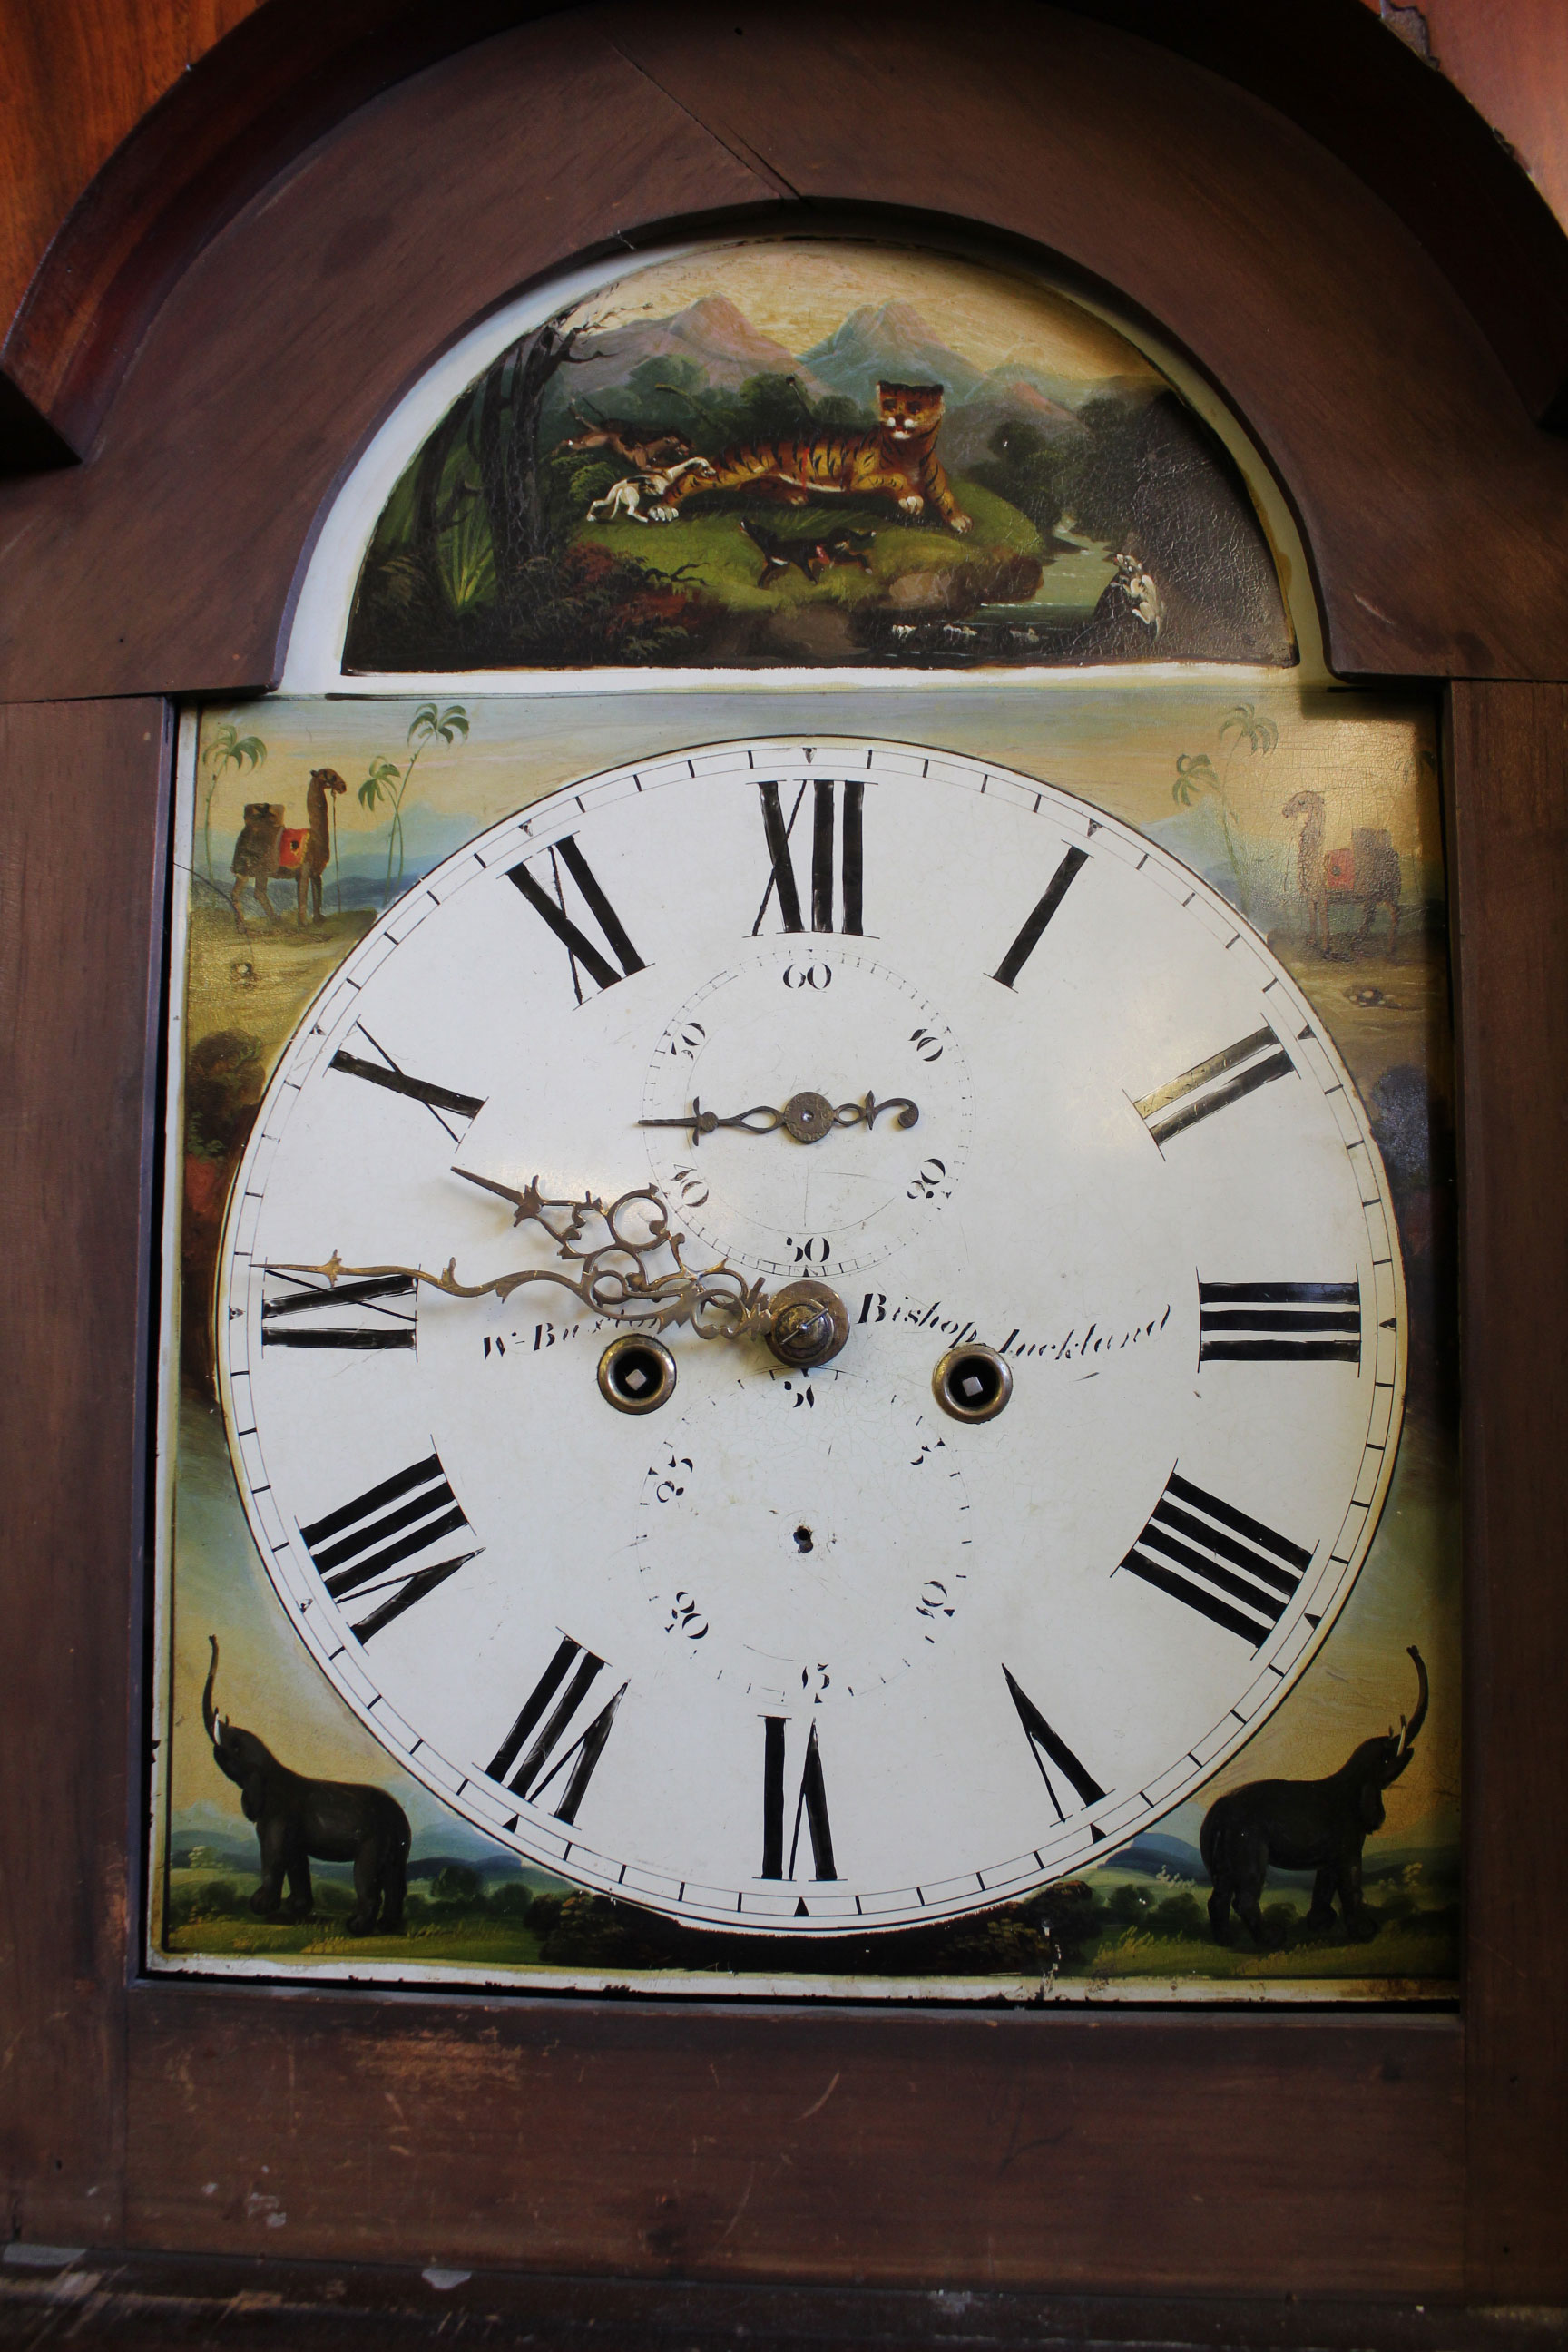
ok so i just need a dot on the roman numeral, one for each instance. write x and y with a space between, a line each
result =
1280 1322
1210 1085
1046 1746
389 1297
362 1548
782 873
1197 1548
546 1717
386 1072
579 947
1034 927
811 1805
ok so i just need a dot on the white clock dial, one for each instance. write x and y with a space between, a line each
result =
801 1649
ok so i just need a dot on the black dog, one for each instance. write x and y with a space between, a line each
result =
336 1821
812 556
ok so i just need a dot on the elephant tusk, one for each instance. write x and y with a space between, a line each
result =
207 1717
1409 1731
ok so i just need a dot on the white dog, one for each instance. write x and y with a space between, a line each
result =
626 495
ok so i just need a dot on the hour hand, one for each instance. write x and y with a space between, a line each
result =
527 1203
806 1118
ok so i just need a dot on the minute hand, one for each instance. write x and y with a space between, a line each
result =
805 1118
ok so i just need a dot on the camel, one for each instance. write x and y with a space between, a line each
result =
1366 874
267 847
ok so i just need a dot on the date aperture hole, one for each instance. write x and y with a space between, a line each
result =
803 1539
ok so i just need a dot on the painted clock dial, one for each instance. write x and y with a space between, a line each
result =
801 1648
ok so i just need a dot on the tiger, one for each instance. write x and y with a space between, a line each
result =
897 461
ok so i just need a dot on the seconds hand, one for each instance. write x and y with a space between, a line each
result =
805 1118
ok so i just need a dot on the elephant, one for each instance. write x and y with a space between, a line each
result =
1317 1825
336 1821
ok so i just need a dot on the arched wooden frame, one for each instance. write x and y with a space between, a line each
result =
1201 2152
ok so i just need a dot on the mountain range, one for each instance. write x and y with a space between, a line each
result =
713 332
885 343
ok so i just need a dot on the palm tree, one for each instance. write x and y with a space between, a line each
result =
386 781
1197 775
1249 726
227 748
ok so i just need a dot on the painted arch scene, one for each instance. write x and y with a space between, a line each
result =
818 454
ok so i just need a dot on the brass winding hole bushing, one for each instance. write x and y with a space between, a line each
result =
636 1373
971 1383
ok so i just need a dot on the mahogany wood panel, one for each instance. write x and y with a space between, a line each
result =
206 2303
217 136
1509 850
246 111
82 791
946 2149
286 343
1393 424
1410 134
79 76
1511 59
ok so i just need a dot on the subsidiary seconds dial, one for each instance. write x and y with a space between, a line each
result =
851 1029
798 1649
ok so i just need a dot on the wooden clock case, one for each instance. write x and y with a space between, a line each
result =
257 278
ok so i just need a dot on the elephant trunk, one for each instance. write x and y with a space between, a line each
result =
1409 1731
209 1718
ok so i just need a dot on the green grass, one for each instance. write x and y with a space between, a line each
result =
708 538
1397 1955
1413 1953
498 1943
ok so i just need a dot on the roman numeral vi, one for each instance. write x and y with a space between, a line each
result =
810 1805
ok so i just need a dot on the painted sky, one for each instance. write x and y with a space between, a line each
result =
1119 752
799 293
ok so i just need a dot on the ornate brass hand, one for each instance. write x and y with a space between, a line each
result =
617 1279
806 1118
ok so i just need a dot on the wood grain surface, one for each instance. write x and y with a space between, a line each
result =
203 125
285 345
82 795
1404 448
941 2148
1510 853
1222 2153
1341 75
79 76
200 144
205 2302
